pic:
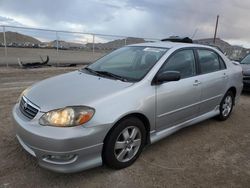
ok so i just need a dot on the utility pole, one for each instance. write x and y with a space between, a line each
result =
216 27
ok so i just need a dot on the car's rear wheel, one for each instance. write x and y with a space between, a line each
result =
124 143
226 106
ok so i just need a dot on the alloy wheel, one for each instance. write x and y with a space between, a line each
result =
227 106
127 144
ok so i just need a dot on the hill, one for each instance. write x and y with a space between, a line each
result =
14 37
63 44
218 42
233 52
116 43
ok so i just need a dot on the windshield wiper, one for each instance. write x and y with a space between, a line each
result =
112 75
92 71
105 73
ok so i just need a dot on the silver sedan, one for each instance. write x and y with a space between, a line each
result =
108 111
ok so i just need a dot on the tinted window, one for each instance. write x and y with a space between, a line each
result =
183 62
209 61
246 60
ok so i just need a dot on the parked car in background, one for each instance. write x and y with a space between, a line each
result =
132 97
245 64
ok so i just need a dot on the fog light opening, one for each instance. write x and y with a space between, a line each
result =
60 159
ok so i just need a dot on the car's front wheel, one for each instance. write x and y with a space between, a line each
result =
124 143
226 106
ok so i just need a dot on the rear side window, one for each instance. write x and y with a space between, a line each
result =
183 62
210 61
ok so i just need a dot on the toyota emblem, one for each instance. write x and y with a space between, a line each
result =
25 106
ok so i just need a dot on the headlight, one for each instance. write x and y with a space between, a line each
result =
68 116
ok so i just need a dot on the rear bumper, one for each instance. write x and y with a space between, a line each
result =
63 150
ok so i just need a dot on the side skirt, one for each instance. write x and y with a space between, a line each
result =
156 136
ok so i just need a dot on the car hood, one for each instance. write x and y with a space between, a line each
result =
74 88
246 69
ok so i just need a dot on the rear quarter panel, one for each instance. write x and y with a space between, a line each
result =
235 78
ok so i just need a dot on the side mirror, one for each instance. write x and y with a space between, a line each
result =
167 76
236 62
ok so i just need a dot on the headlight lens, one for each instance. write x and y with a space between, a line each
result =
68 116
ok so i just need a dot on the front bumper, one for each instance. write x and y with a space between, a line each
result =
246 84
63 150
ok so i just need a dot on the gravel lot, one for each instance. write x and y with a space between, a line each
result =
28 55
209 154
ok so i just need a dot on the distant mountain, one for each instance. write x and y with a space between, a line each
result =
116 43
233 52
64 44
14 37
218 42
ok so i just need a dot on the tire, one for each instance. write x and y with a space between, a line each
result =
226 106
124 143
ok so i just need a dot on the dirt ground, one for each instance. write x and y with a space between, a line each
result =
28 55
209 154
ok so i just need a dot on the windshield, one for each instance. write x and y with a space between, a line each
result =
131 63
246 60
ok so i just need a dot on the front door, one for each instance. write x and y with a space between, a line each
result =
178 101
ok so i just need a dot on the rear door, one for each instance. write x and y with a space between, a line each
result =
178 101
213 79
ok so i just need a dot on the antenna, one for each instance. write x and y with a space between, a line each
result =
195 31
216 27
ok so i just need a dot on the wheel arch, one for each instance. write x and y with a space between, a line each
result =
141 117
234 91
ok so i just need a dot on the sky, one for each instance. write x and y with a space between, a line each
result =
139 18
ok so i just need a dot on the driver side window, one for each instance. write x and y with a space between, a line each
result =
183 62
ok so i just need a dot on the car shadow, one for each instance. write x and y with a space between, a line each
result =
245 93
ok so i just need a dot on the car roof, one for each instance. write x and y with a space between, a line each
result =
167 44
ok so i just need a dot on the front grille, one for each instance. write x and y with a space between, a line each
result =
27 108
246 77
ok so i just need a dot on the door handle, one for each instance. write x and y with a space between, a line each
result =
225 76
196 83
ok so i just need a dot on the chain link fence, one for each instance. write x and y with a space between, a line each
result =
29 45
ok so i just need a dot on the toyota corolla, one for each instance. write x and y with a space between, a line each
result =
107 112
